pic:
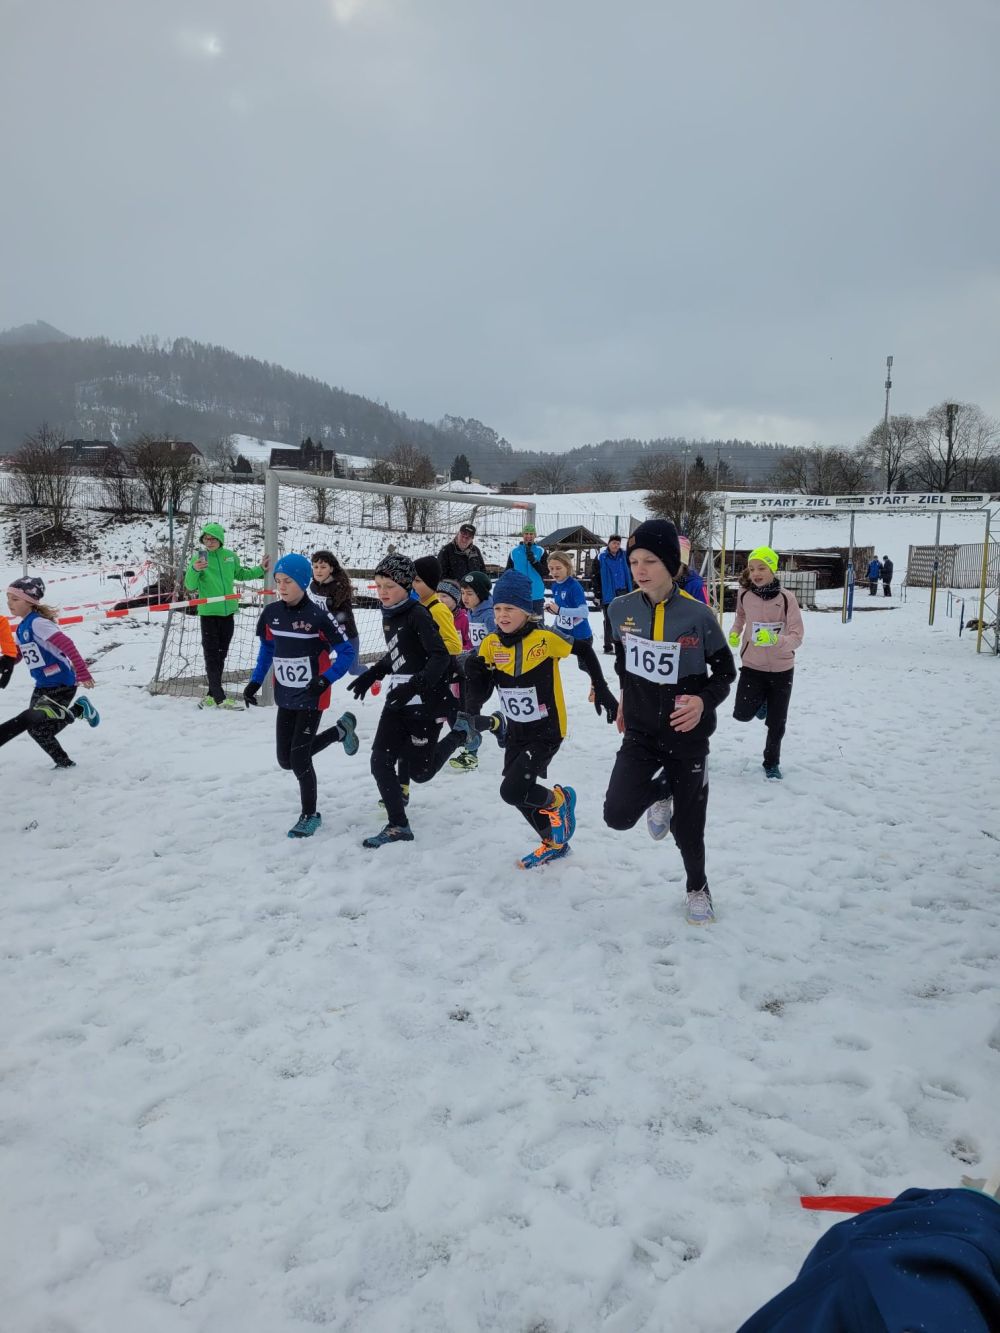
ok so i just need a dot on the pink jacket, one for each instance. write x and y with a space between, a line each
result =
782 611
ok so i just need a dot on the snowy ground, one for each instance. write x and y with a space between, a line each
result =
254 1086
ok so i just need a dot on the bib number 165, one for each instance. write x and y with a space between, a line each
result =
652 660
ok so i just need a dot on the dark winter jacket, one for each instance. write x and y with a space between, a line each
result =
694 585
886 571
335 597
613 575
874 569
416 655
928 1261
456 563
703 665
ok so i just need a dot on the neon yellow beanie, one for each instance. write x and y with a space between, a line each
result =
766 556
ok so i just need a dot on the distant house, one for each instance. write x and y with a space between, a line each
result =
308 457
88 455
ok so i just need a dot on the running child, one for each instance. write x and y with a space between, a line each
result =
331 588
8 652
477 600
688 579
521 661
769 625
675 669
307 650
450 594
426 577
212 572
572 613
57 669
417 668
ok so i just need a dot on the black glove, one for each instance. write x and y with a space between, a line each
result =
605 702
360 685
477 669
250 693
6 668
400 695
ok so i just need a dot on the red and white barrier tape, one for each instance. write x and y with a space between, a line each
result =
157 606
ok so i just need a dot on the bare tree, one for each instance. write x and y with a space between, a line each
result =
382 470
603 480
888 450
220 452
164 472
954 443
818 470
413 468
687 507
118 486
45 477
550 478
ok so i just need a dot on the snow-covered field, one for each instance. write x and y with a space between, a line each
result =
256 1086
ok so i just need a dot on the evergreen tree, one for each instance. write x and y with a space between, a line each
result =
460 468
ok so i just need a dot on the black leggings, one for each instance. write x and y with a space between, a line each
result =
524 762
773 688
297 738
216 636
42 729
405 737
644 773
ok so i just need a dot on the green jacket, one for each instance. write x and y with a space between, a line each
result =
219 575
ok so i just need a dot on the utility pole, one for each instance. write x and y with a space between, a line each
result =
684 522
885 437
951 409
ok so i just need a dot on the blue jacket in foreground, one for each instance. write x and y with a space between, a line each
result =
572 600
300 643
615 574
929 1262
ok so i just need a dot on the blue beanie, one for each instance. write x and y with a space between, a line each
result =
297 567
513 589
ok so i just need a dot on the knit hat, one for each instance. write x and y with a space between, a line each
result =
296 567
429 569
399 568
685 548
479 583
659 537
513 589
766 555
32 588
450 589
528 527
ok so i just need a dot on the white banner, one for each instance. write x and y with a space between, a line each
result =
910 500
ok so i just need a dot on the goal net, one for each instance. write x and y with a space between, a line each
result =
359 522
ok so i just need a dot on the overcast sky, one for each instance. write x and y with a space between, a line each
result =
573 220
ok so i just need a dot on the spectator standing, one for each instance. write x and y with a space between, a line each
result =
886 576
612 580
874 574
461 555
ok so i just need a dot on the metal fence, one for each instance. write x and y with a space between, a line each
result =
958 566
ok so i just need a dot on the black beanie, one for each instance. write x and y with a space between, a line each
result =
399 568
659 536
429 569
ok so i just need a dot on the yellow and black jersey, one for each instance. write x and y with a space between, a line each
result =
528 686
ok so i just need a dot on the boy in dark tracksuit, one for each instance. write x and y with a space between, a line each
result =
418 669
307 650
675 668
521 661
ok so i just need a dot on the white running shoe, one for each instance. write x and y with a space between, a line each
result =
658 819
700 911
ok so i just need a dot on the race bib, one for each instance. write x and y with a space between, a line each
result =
32 655
393 680
570 616
653 661
477 633
766 624
294 673
522 705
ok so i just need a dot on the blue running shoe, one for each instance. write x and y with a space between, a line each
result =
773 772
86 710
347 723
306 827
762 712
569 805
465 726
547 851
391 833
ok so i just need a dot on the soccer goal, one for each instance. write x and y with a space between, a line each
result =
358 521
